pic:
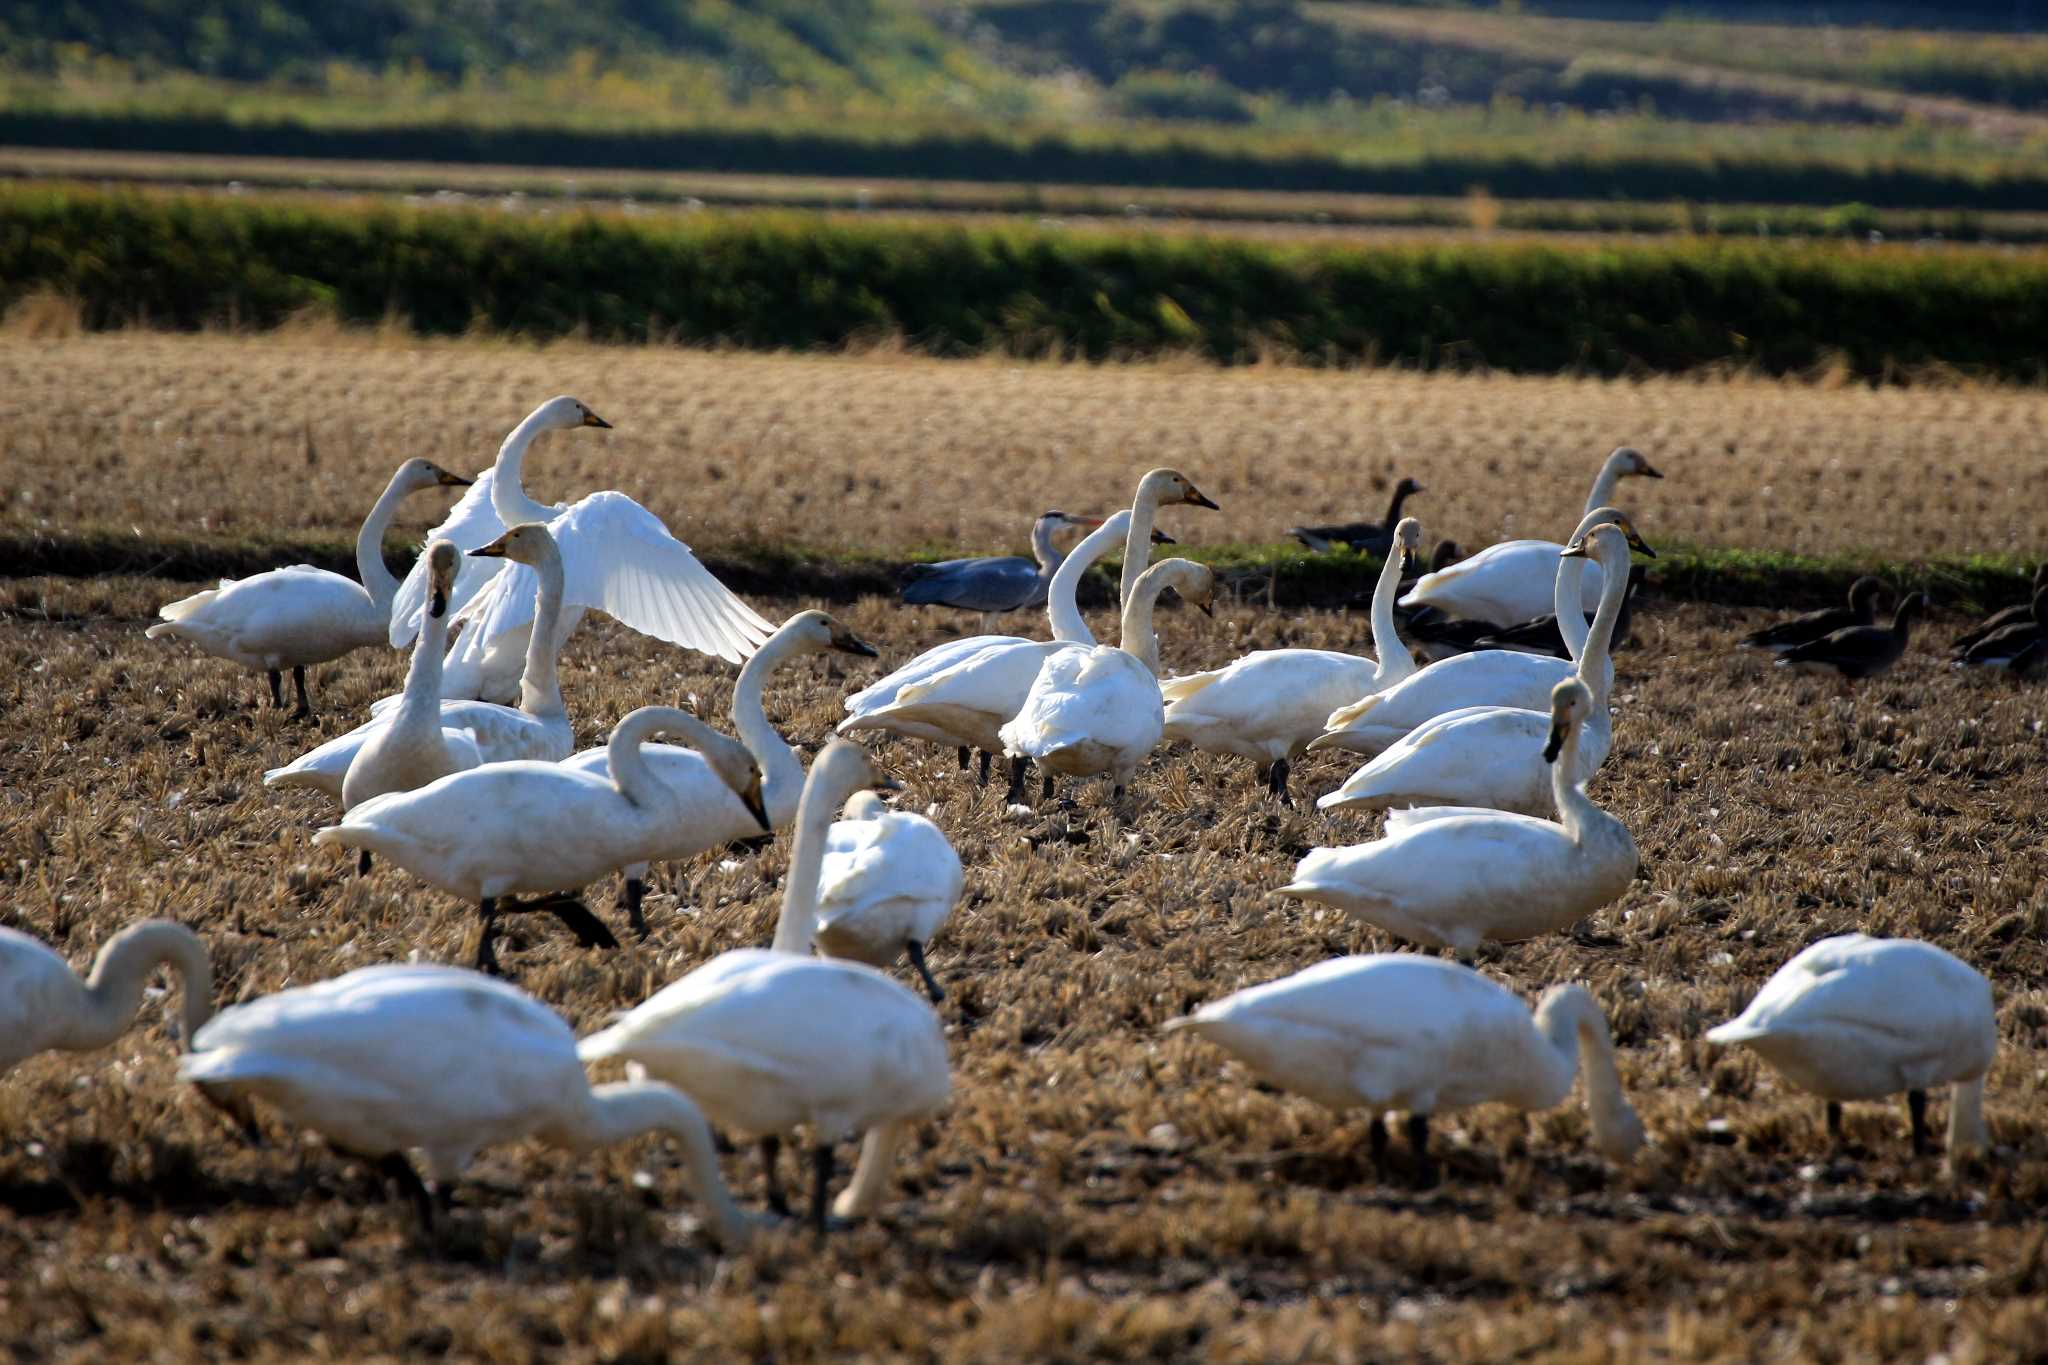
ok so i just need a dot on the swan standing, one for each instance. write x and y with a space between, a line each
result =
1492 756
1268 705
44 1007
888 882
534 828
1478 875
300 616
770 1040
1397 1031
394 1058
1858 1018
1510 582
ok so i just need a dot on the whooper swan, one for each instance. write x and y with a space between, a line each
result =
43 1007
889 880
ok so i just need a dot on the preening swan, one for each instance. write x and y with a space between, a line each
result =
1398 1031
712 813
616 555
1268 705
1492 756
299 616
537 728
1857 652
770 1040
1511 582
888 882
1858 1018
1005 583
388 1059
1482 875
43 1007
534 828
1374 538
1861 611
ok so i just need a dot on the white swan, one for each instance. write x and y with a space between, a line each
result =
888 882
533 828
1094 712
1268 705
711 812
43 1007
1509 583
1487 874
537 728
1858 1018
769 1040
300 616
618 557
1492 756
388 1059
1401 1031
1486 677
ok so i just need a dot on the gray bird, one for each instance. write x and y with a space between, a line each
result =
1003 583
1861 611
1857 651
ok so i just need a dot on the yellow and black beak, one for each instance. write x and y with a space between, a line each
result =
1575 550
1648 472
1160 537
1636 542
1197 498
1555 744
846 642
448 480
437 604
1208 607
591 419
494 550
756 807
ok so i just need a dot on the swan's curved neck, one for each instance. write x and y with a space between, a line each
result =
508 487
1138 537
1394 660
1593 654
1568 602
782 772
1569 1018
419 706
628 766
1603 484
370 567
113 994
625 1109
540 684
1062 599
825 792
1137 634
1574 808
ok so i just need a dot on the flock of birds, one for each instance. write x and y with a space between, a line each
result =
467 779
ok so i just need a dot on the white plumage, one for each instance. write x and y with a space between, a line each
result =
888 882
45 1007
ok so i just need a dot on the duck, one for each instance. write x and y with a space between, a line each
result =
1492 756
1857 1018
526 827
537 728
1512 582
1269 704
2017 615
617 557
1375 538
1485 875
1398 1031
299 616
889 880
1098 712
994 585
1490 677
416 1056
770 1040
1812 625
2015 647
1857 652
713 814
45 1008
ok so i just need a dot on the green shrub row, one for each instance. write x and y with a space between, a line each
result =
792 282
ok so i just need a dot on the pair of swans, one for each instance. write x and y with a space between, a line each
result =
1397 1031
1492 755
996 584
1268 705
1511 582
1453 877
44 1007
771 1040
300 616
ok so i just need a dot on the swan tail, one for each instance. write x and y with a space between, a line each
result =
606 1042
184 607
1180 689
1733 1032
1346 716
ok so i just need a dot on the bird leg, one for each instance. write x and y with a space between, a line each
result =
821 1159
1277 777
986 759
1376 1140
575 916
771 1157
486 950
916 952
1916 1109
363 863
276 690
1835 1122
1019 766
1418 1143
395 1166
965 753
1045 787
635 890
305 710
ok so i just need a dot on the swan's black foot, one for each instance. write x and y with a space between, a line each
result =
1426 1175
1019 767
575 916
965 755
1276 781
821 1178
986 759
931 985
1376 1140
400 1170
486 943
305 708
363 863
636 890
771 1175
276 690
1916 1110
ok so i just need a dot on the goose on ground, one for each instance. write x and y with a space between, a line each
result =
537 728
771 1040
1857 652
889 880
2019 614
1803 629
1512 582
1858 1018
389 1059
1492 756
1269 704
616 555
989 586
1543 635
712 813
300 616
1490 677
2016 646
1399 1031
1373 538
543 829
44 1007
1487 875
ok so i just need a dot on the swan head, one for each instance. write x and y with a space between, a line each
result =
1195 583
1060 519
1408 540
1604 534
444 561
1629 461
850 767
527 543
1571 701
865 805
559 414
416 474
818 632
1169 486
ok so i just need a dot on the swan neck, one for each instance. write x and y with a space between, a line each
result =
1568 602
628 766
824 794
377 577
1138 538
112 995
1569 1020
1062 603
1574 807
1137 635
782 772
1604 484
1394 660
1593 654
419 705
540 685
508 487
626 1109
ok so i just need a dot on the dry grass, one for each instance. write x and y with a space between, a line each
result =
886 452
1096 1189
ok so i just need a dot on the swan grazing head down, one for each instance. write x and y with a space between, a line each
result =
1169 486
417 474
1571 701
444 561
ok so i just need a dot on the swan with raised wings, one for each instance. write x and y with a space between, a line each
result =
300 616
1398 1031
889 880
44 1007
1512 582
771 1040
1481 875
